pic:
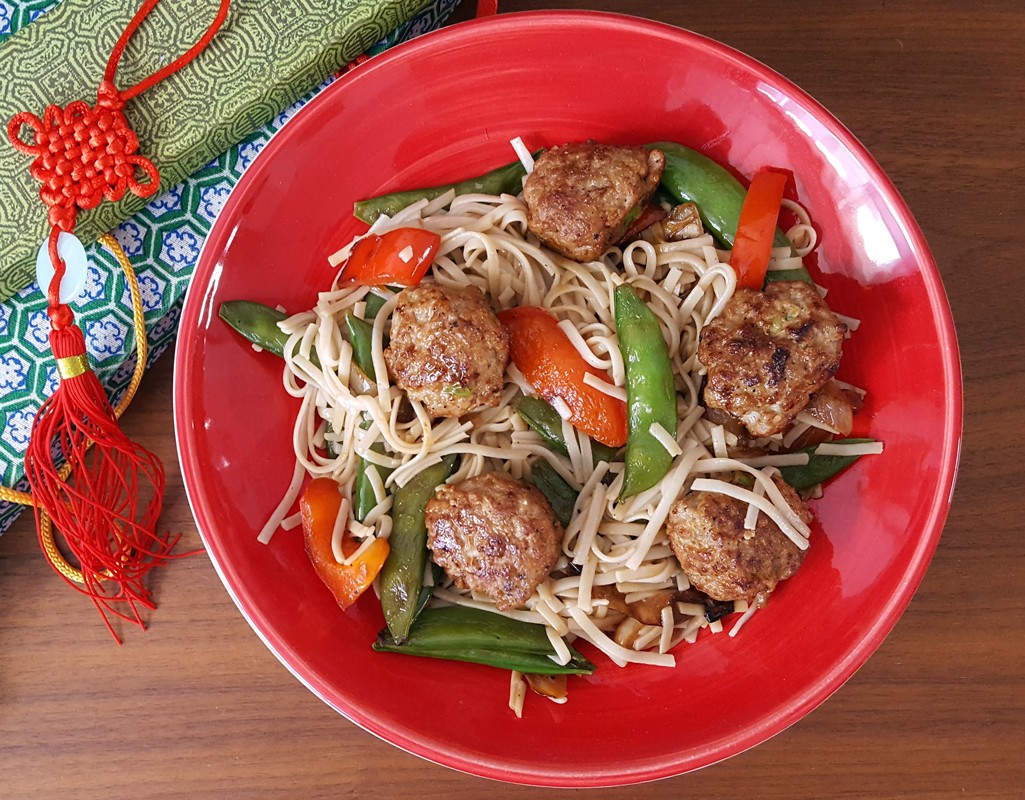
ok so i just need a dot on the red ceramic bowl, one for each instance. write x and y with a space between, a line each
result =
444 108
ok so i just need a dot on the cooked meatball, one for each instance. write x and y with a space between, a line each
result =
582 197
448 350
724 560
767 352
495 535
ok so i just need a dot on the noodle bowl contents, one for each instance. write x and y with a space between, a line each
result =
587 410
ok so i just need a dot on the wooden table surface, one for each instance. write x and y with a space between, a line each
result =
197 707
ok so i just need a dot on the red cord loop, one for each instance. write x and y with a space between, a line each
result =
174 66
85 154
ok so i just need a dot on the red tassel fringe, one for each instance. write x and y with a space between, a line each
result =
97 510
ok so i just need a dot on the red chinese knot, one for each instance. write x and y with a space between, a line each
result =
83 155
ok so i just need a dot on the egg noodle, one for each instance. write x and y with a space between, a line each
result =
609 542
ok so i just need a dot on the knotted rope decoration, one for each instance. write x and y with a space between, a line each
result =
106 500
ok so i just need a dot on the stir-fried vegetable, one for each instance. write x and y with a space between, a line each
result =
374 303
504 180
819 468
482 637
788 275
361 337
364 498
560 495
257 323
645 217
553 686
319 507
651 395
400 257
403 575
546 422
691 177
752 245
547 358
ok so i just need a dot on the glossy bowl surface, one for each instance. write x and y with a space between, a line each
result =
442 108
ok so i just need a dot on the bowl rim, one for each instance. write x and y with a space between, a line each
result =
888 614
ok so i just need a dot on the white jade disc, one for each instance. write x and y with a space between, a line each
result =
73 253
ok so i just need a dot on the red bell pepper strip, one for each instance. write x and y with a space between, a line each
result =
757 228
547 358
319 506
397 258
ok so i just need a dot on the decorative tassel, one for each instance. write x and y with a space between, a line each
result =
106 501
97 507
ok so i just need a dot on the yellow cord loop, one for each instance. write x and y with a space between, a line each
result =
141 346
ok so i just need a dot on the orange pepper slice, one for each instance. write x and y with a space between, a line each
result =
319 507
547 358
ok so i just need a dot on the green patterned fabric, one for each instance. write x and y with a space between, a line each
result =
162 241
267 54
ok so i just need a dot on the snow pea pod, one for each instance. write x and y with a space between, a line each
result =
650 393
542 417
504 180
691 177
819 468
774 275
361 337
482 637
364 498
560 495
374 303
402 577
259 324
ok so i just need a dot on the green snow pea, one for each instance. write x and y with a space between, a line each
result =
482 637
650 393
560 495
259 324
546 422
402 577
819 468
504 180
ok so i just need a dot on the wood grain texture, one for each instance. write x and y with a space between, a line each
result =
198 708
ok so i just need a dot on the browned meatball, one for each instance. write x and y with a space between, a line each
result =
724 560
582 197
767 352
494 535
448 350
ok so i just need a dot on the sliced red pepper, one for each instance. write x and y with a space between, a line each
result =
757 228
319 506
397 258
547 358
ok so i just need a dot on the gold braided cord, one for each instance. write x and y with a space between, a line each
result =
138 317
53 554
14 496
